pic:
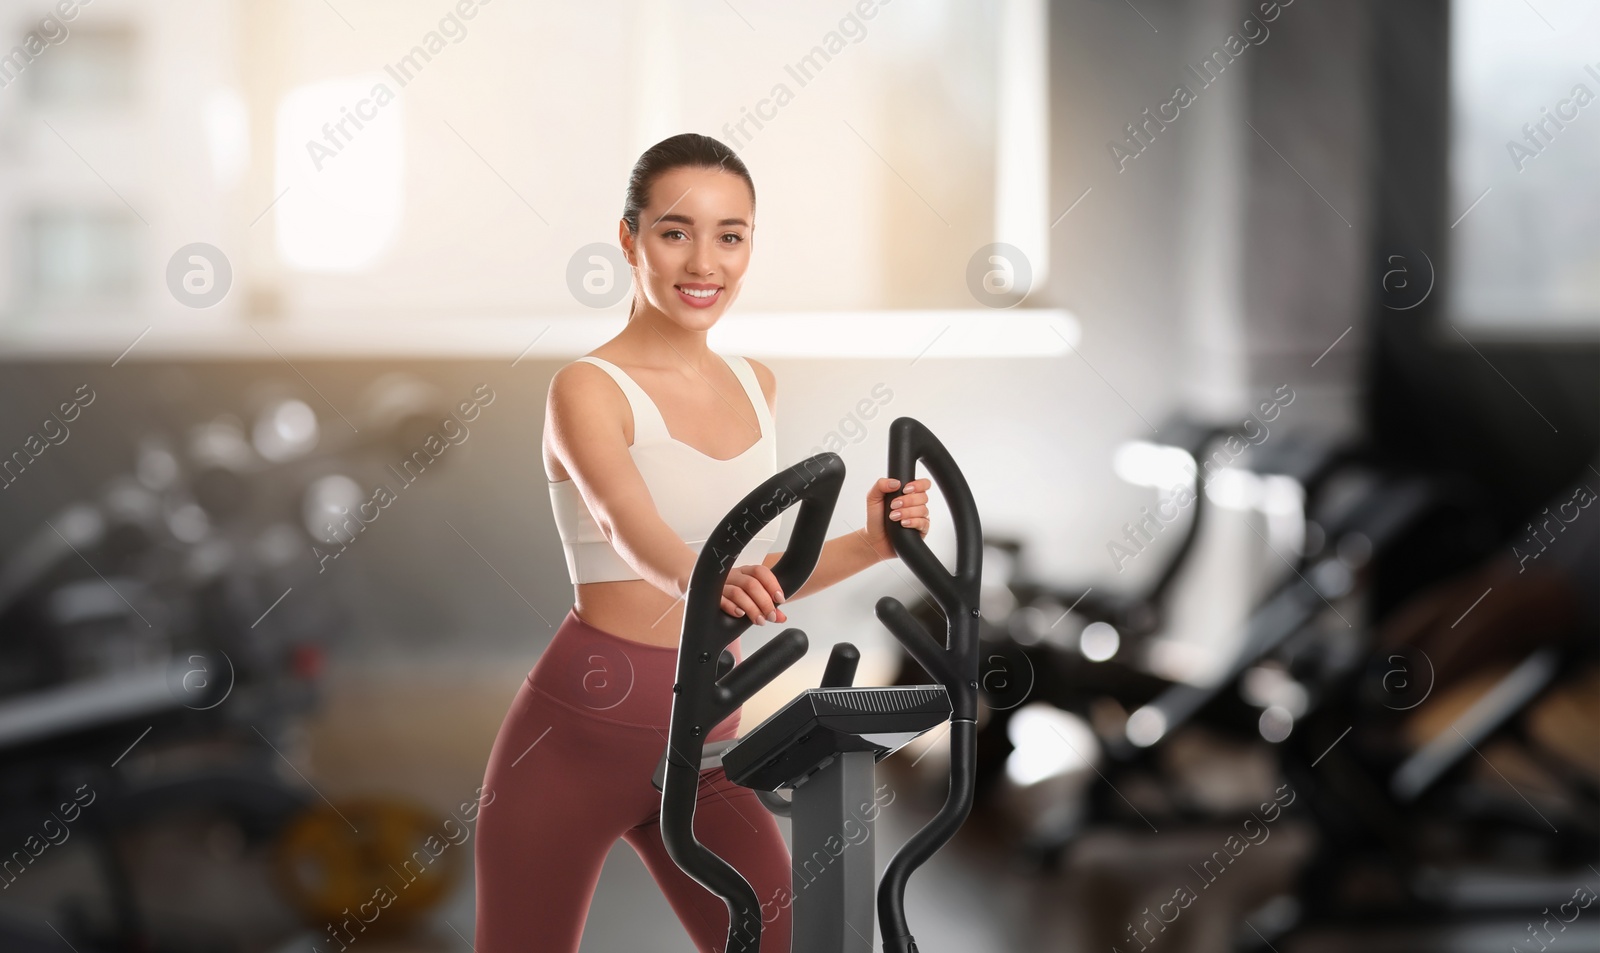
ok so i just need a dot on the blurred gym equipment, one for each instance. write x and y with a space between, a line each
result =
1425 831
160 645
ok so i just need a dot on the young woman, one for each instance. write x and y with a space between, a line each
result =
648 442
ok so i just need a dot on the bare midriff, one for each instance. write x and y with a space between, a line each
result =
631 608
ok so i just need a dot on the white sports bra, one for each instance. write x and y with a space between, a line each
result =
691 491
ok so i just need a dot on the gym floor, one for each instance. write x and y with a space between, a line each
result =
424 733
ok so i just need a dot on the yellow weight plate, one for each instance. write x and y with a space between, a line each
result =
368 864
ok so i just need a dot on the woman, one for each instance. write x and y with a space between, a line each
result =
648 442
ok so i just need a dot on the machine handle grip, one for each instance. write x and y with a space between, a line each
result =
814 484
842 662
909 442
702 699
704 696
921 645
954 662
755 672
701 691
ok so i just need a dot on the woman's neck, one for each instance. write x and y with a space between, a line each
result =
657 342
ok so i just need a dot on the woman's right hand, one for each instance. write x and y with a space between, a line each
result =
753 591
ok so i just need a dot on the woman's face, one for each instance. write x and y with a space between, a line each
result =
693 244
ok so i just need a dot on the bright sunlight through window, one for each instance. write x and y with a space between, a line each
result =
338 173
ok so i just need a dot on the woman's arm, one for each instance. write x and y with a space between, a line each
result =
844 556
584 413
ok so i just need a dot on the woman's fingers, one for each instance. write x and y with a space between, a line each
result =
748 593
913 497
771 591
913 492
769 579
887 485
910 509
743 606
762 599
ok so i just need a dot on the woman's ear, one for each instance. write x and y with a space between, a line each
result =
625 239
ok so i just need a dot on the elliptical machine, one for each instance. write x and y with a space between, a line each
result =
824 744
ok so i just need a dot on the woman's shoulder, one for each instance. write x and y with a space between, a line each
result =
583 387
767 380
583 370
583 406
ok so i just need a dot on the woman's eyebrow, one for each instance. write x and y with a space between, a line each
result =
686 220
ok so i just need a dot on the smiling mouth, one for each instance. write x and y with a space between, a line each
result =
699 297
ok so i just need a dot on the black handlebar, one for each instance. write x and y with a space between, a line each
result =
954 662
704 696
707 693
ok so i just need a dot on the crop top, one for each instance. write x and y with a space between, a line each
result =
691 490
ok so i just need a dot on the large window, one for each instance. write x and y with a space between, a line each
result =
83 67
419 163
79 259
1524 197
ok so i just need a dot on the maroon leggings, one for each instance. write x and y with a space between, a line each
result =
570 773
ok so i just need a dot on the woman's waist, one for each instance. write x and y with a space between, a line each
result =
632 609
608 676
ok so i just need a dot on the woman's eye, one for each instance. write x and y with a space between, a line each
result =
735 236
671 232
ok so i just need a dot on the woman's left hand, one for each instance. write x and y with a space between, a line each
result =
910 508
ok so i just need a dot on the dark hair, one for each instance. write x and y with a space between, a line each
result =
689 149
